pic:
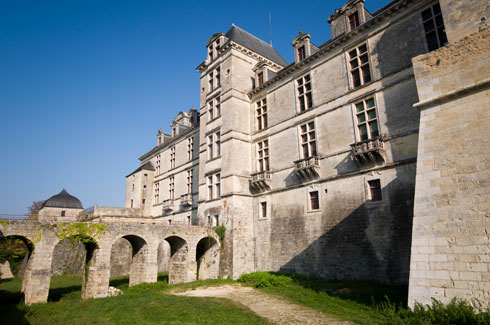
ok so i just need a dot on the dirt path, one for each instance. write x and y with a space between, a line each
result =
276 310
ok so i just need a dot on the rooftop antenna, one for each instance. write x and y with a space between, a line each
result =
270 27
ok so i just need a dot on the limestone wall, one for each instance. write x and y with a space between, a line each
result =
451 245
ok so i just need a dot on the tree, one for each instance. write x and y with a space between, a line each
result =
34 209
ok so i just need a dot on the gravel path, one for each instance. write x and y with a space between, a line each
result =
275 309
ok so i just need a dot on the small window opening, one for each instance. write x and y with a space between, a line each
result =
375 190
314 202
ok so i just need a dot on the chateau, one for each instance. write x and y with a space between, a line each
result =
315 166
366 158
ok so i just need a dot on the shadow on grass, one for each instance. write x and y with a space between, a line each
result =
12 314
56 294
368 293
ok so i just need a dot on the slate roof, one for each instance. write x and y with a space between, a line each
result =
254 44
146 166
63 200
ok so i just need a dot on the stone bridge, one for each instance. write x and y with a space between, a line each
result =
194 252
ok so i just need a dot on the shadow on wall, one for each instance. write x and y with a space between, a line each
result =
372 242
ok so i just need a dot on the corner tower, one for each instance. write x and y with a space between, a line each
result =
229 72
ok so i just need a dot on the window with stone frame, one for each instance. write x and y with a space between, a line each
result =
304 93
354 20
156 194
211 81
260 77
308 139
190 148
359 65
172 157
263 155
210 51
217 76
189 181
217 185
217 143
210 187
158 164
217 106
301 53
366 119
261 114
263 210
214 145
211 110
314 200
171 187
435 32
375 190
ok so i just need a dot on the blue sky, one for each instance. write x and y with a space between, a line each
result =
85 85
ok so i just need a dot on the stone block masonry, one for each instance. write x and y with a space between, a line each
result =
145 240
450 240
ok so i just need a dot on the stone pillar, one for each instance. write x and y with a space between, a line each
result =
96 279
37 275
144 266
209 266
178 265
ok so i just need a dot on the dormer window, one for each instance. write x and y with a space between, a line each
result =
211 52
174 131
301 53
354 21
260 78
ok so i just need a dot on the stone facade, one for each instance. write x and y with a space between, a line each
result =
451 244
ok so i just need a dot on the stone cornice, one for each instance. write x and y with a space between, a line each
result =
167 144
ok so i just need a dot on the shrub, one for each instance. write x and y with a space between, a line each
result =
456 312
265 279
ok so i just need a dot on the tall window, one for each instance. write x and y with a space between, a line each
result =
214 186
308 139
210 146
217 185
354 20
158 164
301 53
375 190
263 155
435 32
190 148
172 157
367 122
214 145
263 210
261 114
314 200
156 196
210 187
359 65
171 187
189 181
210 49
217 106
211 81
304 93
211 110
218 77
217 142
260 78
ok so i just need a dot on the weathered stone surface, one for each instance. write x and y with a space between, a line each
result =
5 272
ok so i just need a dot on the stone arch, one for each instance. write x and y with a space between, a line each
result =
28 246
177 264
207 258
138 268
163 256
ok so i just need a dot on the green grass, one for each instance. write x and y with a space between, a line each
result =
142 304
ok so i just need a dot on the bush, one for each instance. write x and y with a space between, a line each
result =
265 279
456 312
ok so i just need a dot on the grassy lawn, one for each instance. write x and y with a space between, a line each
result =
143 304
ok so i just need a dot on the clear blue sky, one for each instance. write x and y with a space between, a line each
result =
85 84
